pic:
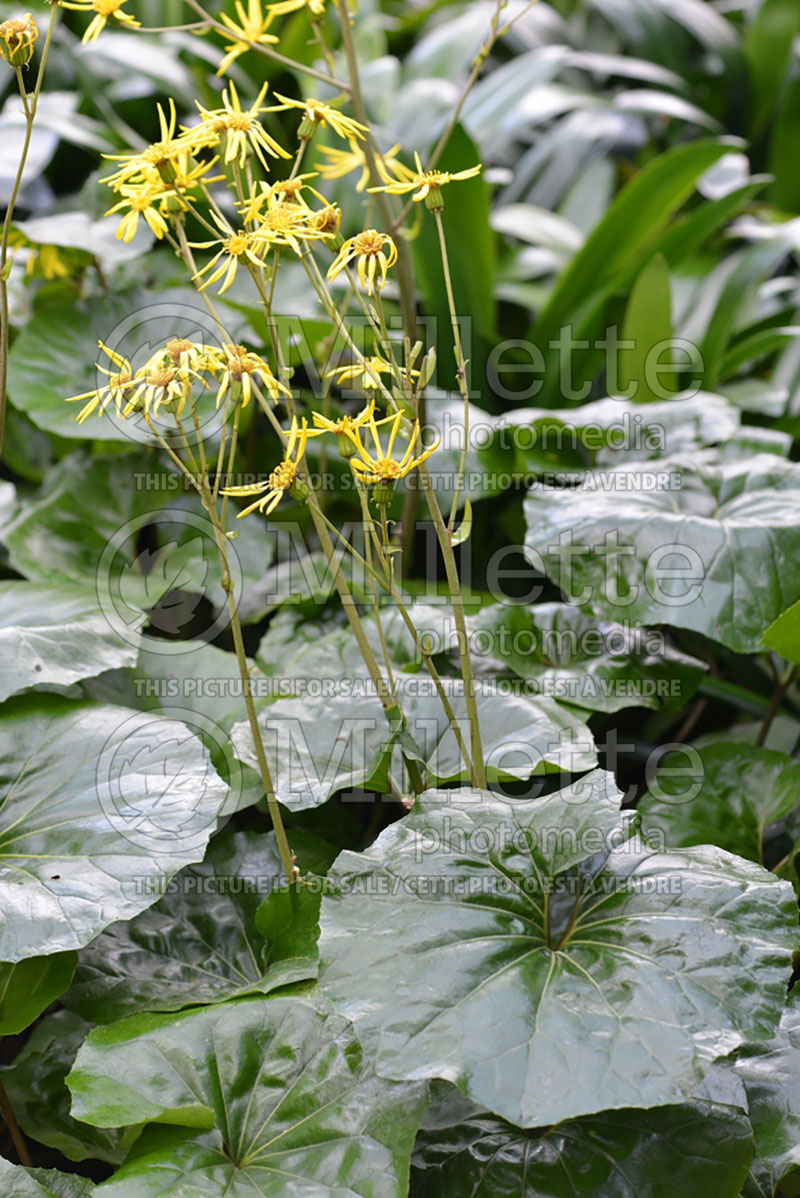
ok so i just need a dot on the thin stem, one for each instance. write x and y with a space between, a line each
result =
404 271
461 366
268 52
777 698
14 1129
30 105
457 601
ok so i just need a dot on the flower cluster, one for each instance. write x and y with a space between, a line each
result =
167 378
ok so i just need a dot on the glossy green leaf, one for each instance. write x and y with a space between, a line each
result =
199 943
561 653
29 987
783 634
41 1101
58 635
41 1183
693 1150
714 548
337 740
289 1101
98 805
532 952
736 796
770 1074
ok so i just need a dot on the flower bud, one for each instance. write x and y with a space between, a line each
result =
16 40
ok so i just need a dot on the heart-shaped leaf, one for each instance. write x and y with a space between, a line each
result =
510 947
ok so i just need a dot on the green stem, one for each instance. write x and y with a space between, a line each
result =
461 367
30 116
457 601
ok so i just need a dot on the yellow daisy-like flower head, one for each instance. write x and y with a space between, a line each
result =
316 115
139 199
380 468
251 29
118 388
159 162
373 252
426 185
316 8
343 162
17 36
237 246
238 365
366 373
346 427
282 478
239 127
102 9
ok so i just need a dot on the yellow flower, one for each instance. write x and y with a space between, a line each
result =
286 223
364 372
16 40
237 365
46 261
282 478
239 126
281 191
367 249
346 425
158 161
315 7
103 9
235 245
140 199
251 30
381 467
166 378
117 388
424 183
315 113
342 162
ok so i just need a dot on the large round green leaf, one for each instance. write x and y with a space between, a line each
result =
98 805
737 796
714 548
199 943
511 948
56 635
289 1100
337 739
562 653
691 1150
